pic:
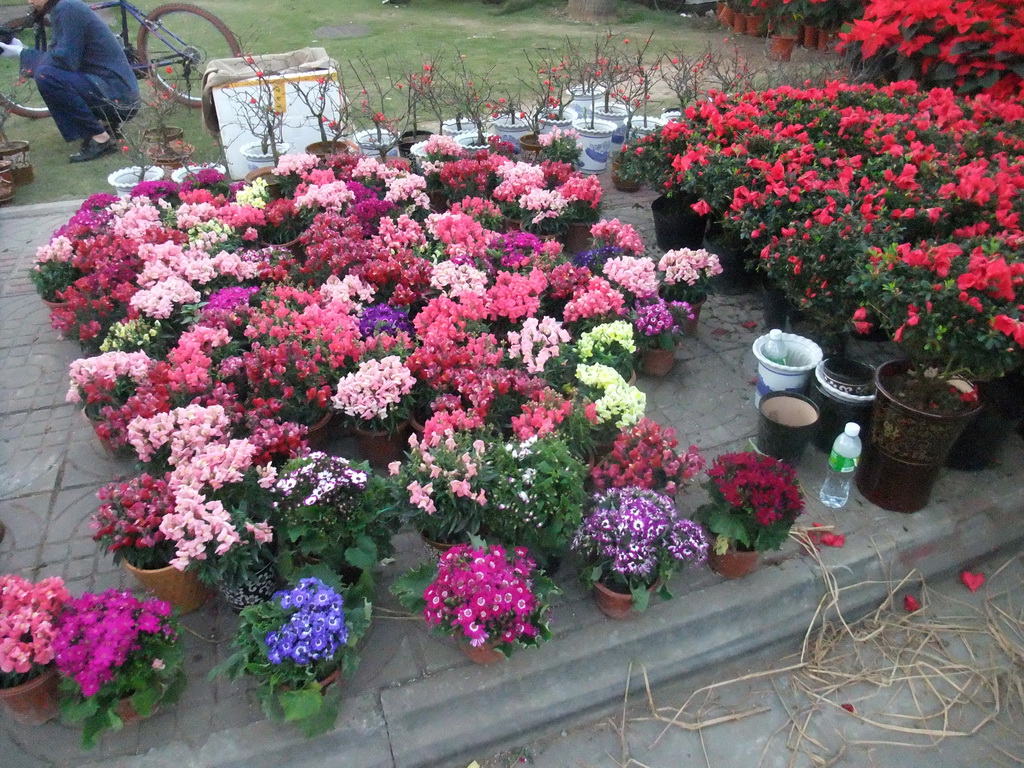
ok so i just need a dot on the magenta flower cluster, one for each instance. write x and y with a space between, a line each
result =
654 319
484 594
97 635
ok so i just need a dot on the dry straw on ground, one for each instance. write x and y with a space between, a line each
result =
907 679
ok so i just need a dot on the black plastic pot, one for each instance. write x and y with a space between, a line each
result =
408 138
676 224
786 423
738 267
834 414
979 443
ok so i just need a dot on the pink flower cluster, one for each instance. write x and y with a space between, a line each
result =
537 342
28 613
373 389
483 595
634 274
612 232
689 266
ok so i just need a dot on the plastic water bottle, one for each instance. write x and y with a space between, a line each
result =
841 461
775 348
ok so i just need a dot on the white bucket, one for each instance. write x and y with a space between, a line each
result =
803 356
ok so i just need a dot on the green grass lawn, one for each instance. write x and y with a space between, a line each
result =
491 37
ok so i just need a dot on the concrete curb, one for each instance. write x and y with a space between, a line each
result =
40 209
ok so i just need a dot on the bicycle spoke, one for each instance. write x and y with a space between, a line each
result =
178 41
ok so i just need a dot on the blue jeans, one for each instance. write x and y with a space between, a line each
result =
76 104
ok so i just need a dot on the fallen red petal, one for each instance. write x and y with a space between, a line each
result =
749 324
848 707
833 539
972 581
910 604
719 332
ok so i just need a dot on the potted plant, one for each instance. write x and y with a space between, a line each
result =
28 618
954 310
611 403
321 514
657 326
54 271
296 646
127 525
646 456
685 275
612 344
136 148
784 19
374 400
547 82
537 498
490 599
753 502
119 659
326 103
259 110
470 95
381 107
632 542
16 151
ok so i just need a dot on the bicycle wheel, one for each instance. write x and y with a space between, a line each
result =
18 92
176 41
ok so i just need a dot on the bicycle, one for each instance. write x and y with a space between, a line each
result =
174 43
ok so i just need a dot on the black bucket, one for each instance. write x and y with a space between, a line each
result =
834 414
786 423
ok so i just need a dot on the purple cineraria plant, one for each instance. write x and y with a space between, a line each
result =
634 537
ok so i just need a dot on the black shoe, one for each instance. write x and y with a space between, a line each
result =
93 149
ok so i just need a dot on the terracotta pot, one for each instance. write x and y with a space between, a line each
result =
689 327
782 47
657 361
617 605
530 146
577 237
437 548
319 435
810 37
734 563
484 654
324 149
273 181
754 23
825 40
739 23
726 15
34 702
908 446
438 201
52 305
128 714
381 448
182 589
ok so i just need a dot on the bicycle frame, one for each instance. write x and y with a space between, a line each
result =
166 37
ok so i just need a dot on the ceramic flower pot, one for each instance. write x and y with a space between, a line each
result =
596 140
125 180
182 589
255 588
325 149
512 132
178 175
256 158
35 702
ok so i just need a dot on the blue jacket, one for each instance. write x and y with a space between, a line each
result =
81 42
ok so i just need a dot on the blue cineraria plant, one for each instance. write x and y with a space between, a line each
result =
293 645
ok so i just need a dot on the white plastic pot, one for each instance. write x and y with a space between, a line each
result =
124 180
802 357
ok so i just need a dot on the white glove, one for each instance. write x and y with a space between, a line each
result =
11 50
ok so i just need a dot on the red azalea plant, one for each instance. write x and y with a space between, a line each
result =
127 522
970 45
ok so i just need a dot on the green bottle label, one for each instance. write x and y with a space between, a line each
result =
841 463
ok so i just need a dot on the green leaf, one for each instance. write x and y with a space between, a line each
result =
325 717
363 555
300 704
145 700
641 598
410 586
